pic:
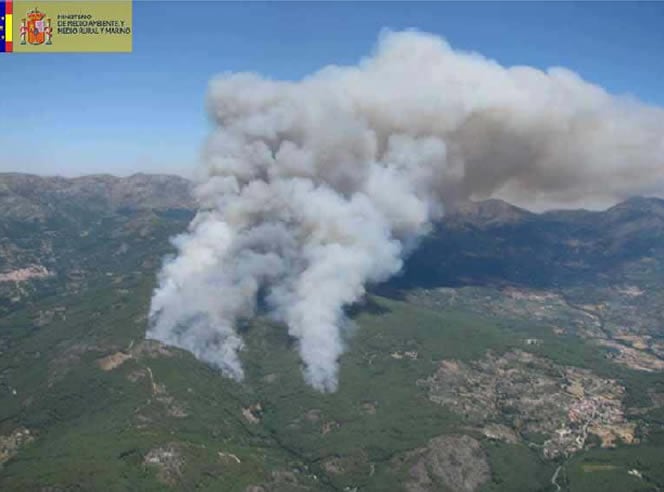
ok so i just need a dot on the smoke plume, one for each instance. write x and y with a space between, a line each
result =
316 188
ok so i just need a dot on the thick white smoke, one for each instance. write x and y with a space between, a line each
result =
315 188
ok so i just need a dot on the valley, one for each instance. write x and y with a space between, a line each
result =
516 351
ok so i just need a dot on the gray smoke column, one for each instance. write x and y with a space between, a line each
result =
315 188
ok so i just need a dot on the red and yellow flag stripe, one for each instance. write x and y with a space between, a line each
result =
6 26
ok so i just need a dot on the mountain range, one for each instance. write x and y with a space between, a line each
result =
515 351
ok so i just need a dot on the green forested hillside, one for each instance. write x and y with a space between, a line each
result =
503 384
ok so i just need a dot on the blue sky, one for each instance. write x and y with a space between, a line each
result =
122 113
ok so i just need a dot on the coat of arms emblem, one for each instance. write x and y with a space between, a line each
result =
36 28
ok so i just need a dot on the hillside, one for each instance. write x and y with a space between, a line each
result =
494 242
31 198
60 234
516 351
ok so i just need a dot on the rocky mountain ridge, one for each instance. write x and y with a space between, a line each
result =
32 197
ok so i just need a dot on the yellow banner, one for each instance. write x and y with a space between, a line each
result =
8 27
53 26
